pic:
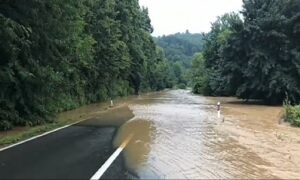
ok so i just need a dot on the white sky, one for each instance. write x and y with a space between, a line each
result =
171 16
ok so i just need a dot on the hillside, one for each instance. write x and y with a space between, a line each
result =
181 47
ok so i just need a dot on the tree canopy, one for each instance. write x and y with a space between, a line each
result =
180 49
258 56
58 55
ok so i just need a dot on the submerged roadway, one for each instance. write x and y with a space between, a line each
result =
176 135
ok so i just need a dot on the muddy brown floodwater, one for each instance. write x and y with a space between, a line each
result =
178 135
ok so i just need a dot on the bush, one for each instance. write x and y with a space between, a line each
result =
5 125
181 86
197 89
292 114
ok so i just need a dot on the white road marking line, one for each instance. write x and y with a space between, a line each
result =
44 134
111 159
41 135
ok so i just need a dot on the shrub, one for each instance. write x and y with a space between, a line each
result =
182 86
292 113
5 125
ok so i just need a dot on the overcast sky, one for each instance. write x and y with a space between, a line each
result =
171 16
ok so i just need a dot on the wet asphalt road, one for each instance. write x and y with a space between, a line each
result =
76 152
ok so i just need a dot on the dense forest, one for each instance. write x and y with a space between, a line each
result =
180 49
253 56
58 55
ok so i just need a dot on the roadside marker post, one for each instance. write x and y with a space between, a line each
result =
219 109
111 103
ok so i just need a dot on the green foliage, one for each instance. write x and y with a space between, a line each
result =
159 76
181 46
179 49
257 58
215 42
268 48
58 55
292 113
181 86
199 75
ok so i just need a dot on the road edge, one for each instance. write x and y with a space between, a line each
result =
47 132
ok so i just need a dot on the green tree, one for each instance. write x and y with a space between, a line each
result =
58 55
262 56
199 75
215 42
257 58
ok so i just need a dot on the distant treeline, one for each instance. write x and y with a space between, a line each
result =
256 56
57 55
181 46
179 49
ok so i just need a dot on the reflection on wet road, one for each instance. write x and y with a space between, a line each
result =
177 135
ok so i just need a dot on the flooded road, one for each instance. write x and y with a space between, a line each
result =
178 135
